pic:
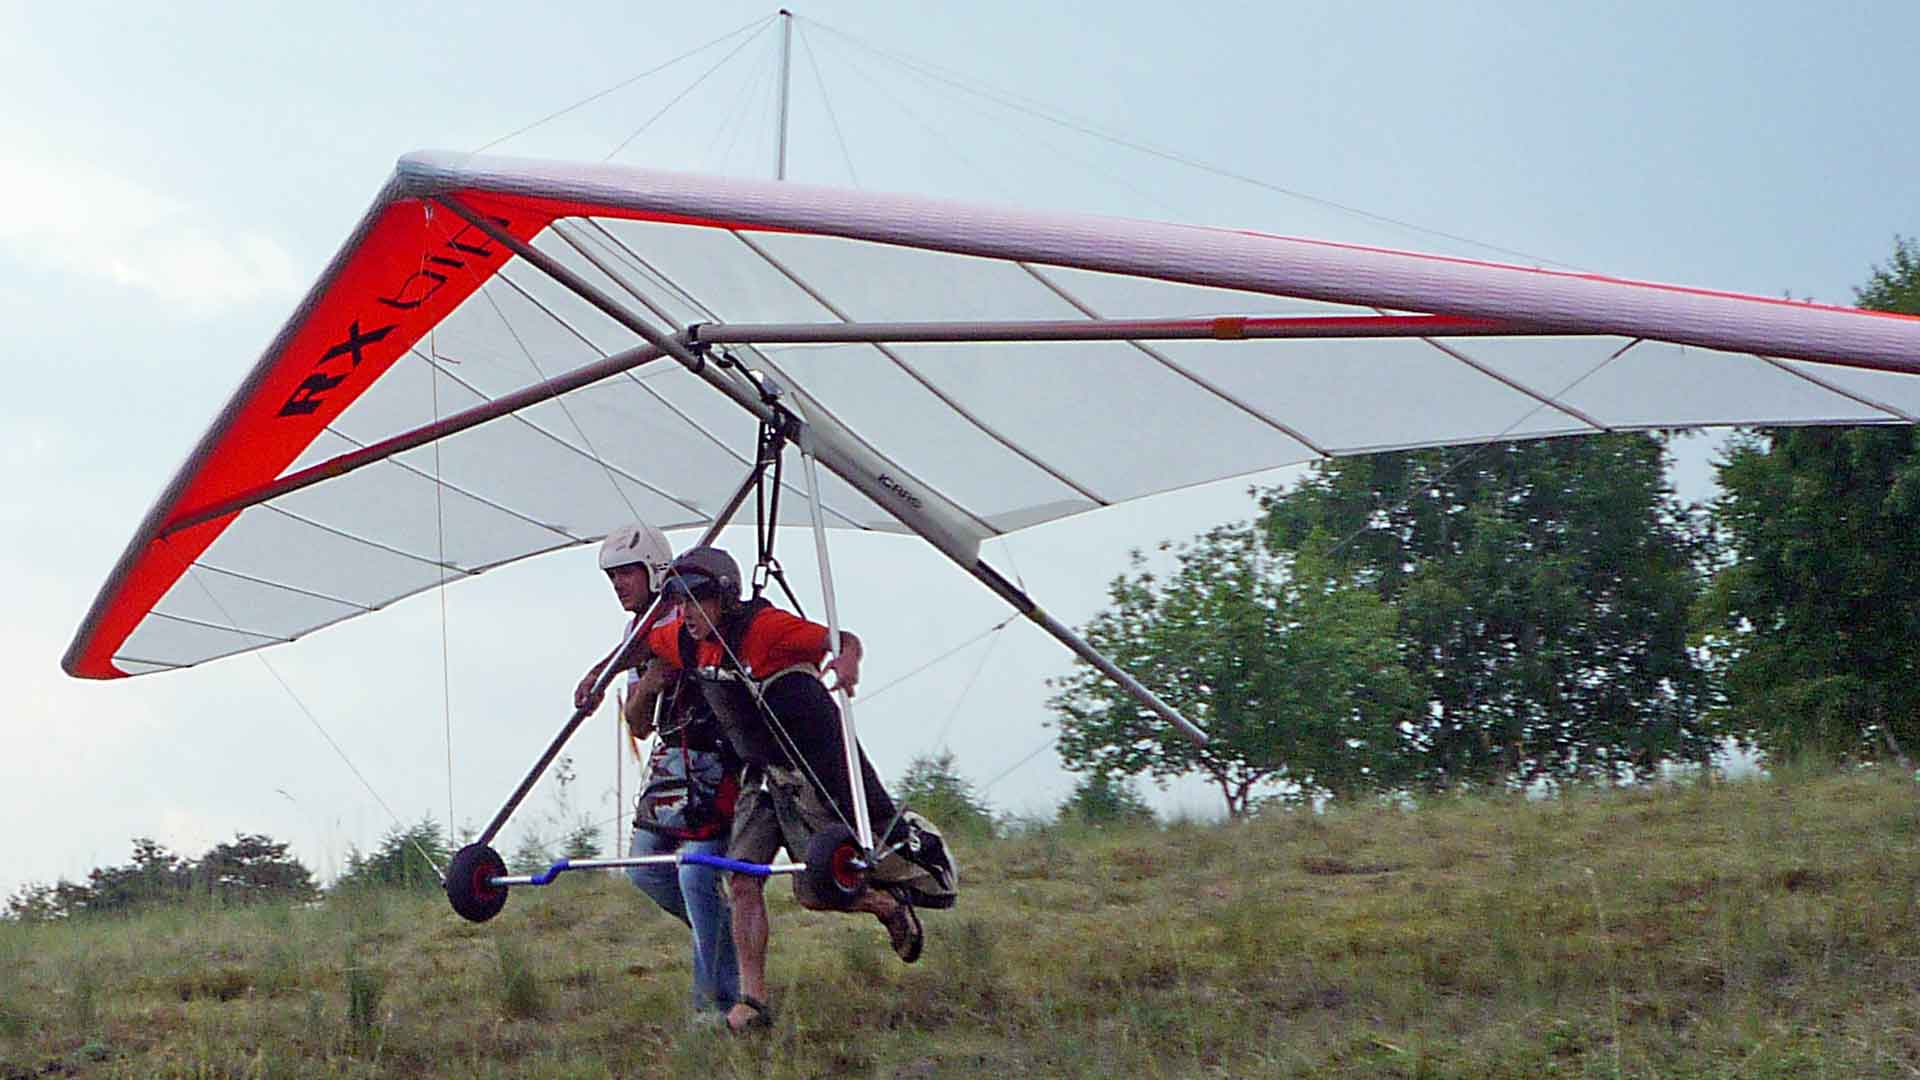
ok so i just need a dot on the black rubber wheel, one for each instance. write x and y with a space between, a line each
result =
467 883
836 871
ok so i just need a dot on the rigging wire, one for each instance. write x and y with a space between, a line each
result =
731 119
950 146
1001 625
440 531
193 569
1087 128
759 23
560 401
752 103
827 103
1478 450
960 698
690 88
1099 172
1008 771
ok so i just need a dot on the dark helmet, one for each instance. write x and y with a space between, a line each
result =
701 572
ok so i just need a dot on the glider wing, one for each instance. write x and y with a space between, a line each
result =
439 406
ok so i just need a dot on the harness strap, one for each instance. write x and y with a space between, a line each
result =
767 511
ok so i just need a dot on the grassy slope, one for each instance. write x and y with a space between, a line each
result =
1762 928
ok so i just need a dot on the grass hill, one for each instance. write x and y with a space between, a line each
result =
1745 929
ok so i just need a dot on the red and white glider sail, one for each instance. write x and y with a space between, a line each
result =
433 408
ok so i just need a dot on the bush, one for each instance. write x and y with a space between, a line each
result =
932 787
407 858
1102 800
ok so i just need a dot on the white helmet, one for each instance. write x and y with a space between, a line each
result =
637 543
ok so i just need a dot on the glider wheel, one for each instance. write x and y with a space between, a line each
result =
836 871
467 883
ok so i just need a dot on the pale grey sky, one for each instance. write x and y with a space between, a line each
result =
178 175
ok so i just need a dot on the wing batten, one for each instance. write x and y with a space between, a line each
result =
1894 412
1236 331
621 282
917 376
1551 401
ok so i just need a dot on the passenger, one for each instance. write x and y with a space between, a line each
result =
760 669
693 777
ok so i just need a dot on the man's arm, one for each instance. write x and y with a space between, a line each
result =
645 650
639 705
845 668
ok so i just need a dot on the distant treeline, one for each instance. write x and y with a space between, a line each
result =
249 868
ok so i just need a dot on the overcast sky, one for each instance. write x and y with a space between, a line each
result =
178 175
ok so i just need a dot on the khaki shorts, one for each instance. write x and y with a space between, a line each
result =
784 811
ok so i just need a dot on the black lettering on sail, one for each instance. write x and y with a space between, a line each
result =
306 397
416 290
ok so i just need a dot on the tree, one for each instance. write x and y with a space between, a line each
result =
156 876
1815 618
932 786
1542 589
405 859
39 902
1104 801
253 867
583 842
532 855
1292 670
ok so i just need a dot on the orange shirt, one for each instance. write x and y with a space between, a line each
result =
776 640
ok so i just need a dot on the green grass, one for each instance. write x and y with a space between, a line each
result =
1767 928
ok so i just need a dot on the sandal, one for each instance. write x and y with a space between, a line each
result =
761 1019
904 931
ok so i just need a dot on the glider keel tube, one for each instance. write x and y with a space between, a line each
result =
1064 634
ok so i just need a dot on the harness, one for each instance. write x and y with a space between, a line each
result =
735 697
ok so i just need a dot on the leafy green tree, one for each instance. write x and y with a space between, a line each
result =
253 867
932 786
155 876
1104 801
1292 670
1542 591
405 858
1815 619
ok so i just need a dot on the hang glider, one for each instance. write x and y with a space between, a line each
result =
511 357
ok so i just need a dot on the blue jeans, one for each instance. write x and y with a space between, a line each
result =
694 895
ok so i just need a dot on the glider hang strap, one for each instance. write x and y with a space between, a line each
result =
769 457
767 504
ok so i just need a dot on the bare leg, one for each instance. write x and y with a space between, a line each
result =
876 902
749 898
